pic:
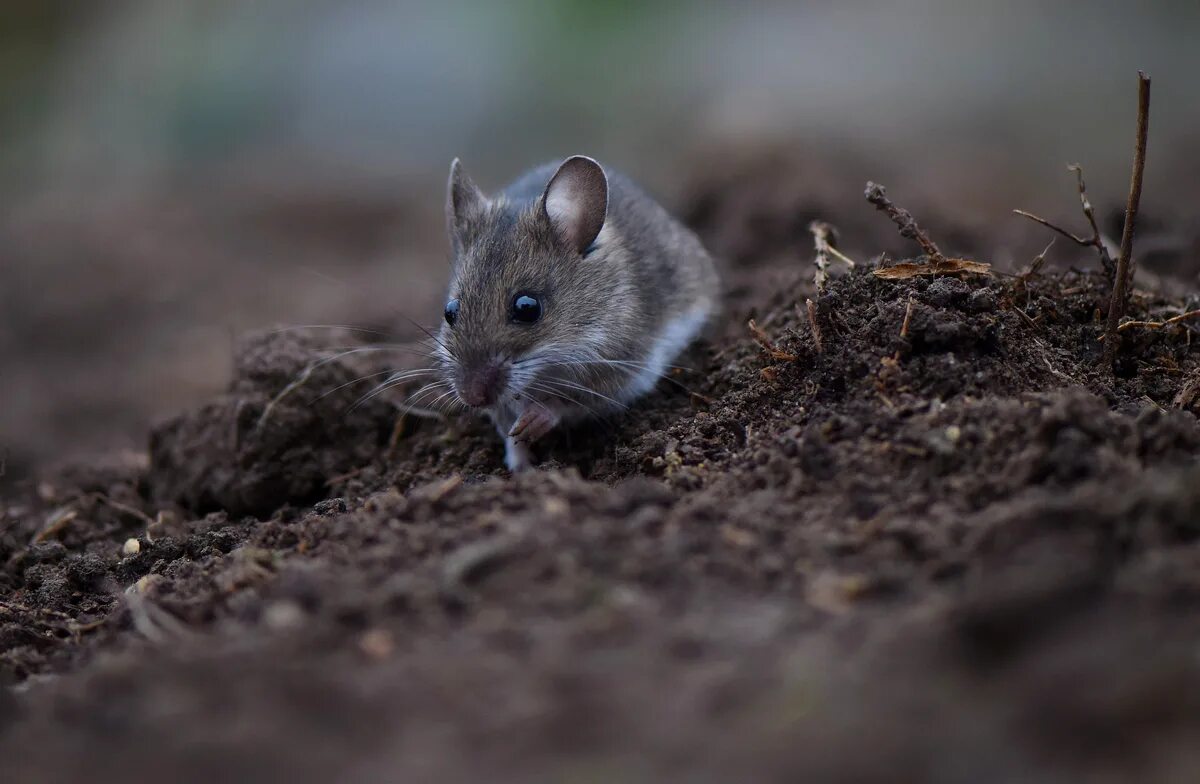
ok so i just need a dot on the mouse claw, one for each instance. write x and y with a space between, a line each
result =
534 423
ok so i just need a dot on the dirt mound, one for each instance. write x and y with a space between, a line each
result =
927 501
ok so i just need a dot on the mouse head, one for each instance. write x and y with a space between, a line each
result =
532 283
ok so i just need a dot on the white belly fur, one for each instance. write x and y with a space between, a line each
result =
674 338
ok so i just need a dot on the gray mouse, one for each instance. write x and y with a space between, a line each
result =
570 294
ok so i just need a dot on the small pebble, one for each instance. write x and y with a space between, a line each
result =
283 616
376 644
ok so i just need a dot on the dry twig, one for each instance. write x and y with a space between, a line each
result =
877 195
938 263
1122 283
1096 240
124 509
1191 314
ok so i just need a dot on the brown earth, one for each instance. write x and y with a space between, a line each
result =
944 544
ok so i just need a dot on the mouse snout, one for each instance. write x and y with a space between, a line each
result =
481 386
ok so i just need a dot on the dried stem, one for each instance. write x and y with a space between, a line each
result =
761 338
825 243
1122 283
1035 266
1191 314
1096 240
877 195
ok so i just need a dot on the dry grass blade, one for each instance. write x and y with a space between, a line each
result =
1035 266
765 343
55 524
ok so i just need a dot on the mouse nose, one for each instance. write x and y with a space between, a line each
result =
481 386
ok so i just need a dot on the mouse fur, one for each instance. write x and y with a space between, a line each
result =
620 289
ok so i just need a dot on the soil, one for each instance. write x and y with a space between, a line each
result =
937 541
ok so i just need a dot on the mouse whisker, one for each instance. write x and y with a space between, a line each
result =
380 389
347 327
377 348
571 385
350 383
437 405
630 364
536 387
427 332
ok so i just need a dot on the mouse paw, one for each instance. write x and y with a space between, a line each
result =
517 455
533 423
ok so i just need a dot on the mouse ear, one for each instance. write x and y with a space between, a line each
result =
576 201
464 202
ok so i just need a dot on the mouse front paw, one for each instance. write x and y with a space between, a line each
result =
534 422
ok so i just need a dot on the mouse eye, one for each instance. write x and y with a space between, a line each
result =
526 309
451 312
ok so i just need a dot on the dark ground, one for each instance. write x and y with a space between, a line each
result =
954 552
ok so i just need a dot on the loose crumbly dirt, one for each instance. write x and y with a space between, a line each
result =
944 546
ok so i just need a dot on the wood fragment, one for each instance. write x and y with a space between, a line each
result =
444 489
764 342
811 309
907 269
398 432
1188 393
1123 283
908 311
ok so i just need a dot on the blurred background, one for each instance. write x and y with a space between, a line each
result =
175 172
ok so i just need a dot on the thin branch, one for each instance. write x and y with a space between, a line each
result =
1096 240
877 195
1090 214
1039 219
1122 283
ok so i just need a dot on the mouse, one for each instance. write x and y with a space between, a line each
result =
571 292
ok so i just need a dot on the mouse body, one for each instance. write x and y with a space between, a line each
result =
571 292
